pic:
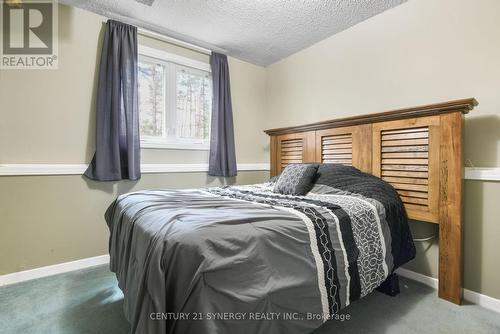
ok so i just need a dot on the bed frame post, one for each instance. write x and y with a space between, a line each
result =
390 286
273 149
450 208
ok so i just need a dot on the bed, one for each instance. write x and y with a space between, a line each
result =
245 259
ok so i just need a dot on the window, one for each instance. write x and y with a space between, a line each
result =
175 101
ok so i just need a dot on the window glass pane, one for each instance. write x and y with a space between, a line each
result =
193 104
151 98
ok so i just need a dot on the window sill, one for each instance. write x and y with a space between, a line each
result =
175 146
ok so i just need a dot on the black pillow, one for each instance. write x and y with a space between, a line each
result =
350 179
334 175
296 179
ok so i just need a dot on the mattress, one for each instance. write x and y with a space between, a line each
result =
244 259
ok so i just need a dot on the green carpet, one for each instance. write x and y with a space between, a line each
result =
89 301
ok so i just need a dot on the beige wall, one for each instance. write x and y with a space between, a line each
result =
52 219
421 52
49 117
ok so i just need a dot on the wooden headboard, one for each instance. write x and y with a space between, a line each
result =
418 150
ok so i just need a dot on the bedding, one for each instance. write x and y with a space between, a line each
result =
341 179
247 260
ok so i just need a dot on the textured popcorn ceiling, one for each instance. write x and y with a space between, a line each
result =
258 31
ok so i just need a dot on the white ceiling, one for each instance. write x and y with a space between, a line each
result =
258 31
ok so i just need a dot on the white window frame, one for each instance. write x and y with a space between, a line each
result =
169 61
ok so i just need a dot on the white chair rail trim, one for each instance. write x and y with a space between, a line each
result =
485 174
79 169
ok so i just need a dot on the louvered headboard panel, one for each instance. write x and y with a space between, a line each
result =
406 154
405 164
294 148
291 151
349 145
337 149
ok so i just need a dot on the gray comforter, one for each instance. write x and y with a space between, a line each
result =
244 259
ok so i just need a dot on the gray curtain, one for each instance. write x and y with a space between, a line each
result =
117 154
222 160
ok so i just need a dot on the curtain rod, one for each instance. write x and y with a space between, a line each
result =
152 34
163 37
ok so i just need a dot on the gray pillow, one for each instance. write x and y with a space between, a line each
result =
296 179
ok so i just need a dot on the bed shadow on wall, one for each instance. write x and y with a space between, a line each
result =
482 145
473 235
482 141
426 260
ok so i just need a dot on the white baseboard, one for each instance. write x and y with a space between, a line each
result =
60 268
21 276
473 297
485 301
